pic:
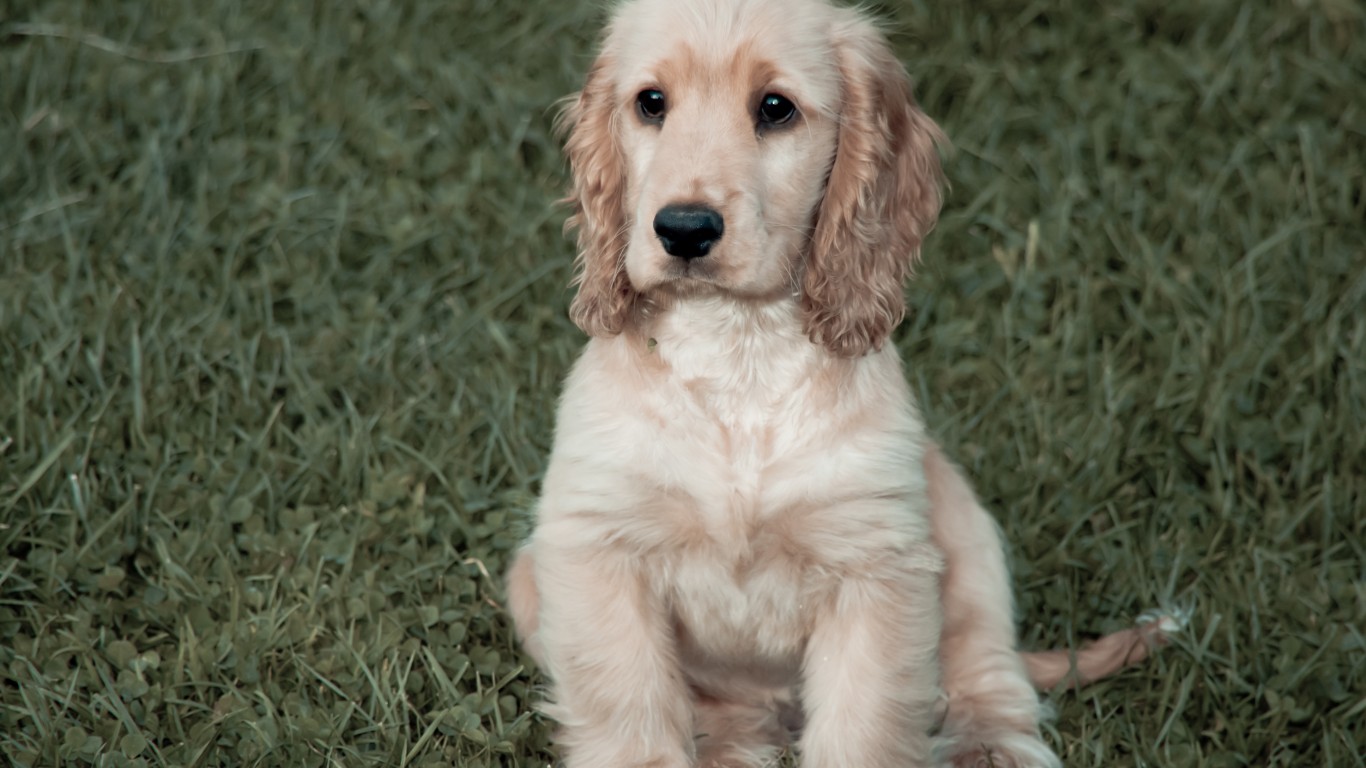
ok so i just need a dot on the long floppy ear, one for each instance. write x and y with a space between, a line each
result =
881 200
605 297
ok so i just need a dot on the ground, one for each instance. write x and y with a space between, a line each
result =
283 317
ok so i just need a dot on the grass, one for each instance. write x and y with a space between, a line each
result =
282 321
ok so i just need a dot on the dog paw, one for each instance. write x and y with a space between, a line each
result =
1007 750
740 757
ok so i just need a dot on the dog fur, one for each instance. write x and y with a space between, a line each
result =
745 535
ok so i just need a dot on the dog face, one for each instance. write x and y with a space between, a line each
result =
759 149
727 148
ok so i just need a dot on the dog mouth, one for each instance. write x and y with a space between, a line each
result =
700 278
692 270
688 278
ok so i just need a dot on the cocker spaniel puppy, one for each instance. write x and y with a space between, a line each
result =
746 535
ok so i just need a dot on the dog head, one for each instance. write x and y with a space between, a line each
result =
756 148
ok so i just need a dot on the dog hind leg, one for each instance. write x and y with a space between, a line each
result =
524 602
993 710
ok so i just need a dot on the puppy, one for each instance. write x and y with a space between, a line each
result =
746 536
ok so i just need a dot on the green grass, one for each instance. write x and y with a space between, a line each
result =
282 322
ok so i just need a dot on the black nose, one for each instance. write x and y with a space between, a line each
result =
688 231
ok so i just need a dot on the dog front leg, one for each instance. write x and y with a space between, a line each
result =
870 679
618 692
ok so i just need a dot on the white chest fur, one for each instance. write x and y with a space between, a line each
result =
725 451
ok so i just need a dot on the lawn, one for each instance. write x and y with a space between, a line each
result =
283 318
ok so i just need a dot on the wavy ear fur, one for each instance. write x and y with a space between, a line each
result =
605 297
882 199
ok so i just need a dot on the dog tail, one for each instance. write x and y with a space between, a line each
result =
1104 656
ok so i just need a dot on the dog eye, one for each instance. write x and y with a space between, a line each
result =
776 110
650 105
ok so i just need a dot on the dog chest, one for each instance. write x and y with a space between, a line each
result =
746 599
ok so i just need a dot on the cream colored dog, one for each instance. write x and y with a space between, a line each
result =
745 532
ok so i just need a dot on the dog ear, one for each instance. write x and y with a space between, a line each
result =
881 200
598 197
